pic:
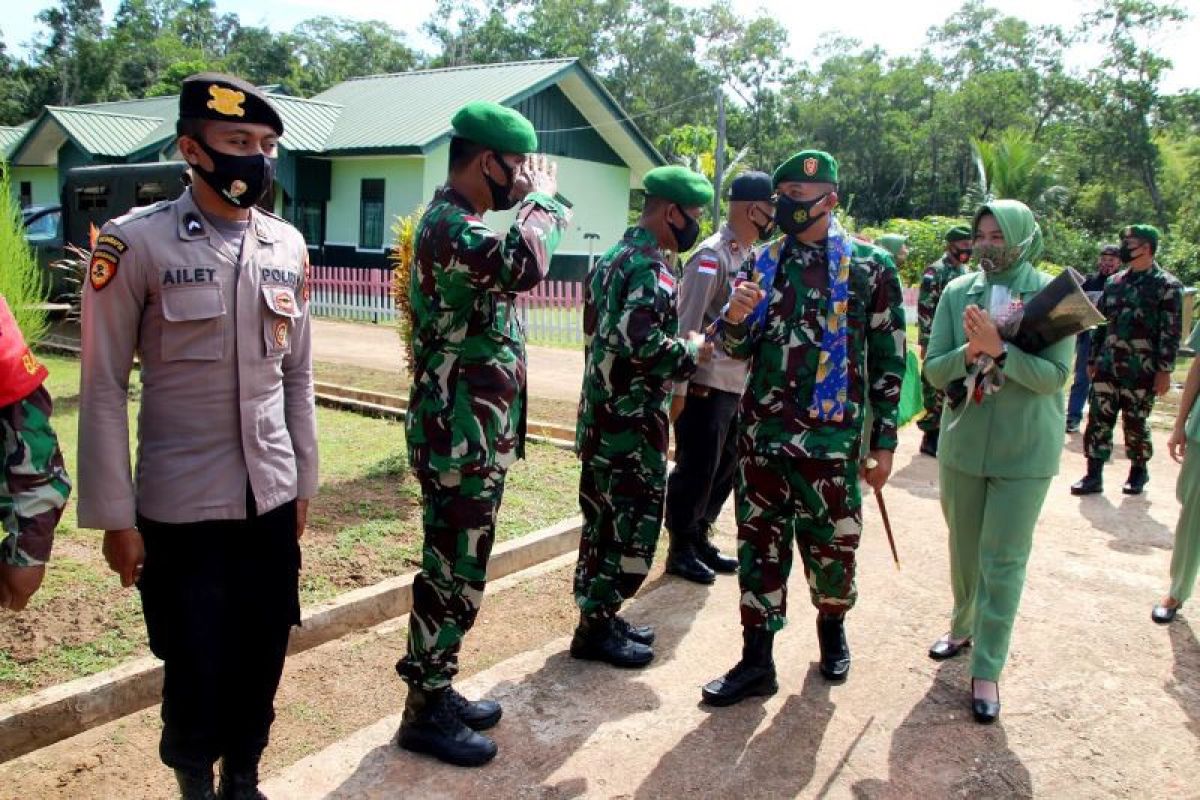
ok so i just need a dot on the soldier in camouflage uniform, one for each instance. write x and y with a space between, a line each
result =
825 339
466 419
1131 359
632 354
33 482
933 282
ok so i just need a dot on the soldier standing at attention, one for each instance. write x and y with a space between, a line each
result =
703 409
34 485
822 320
1131 359
631 357
933 283
209 291
1093 285
466 420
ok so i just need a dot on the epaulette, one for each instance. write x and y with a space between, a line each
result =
141 212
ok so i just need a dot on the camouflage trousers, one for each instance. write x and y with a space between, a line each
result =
1109 398
815 503
622 516
34 485
460 528
934 399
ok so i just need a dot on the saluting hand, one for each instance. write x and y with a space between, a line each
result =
125 553
537 174
745 298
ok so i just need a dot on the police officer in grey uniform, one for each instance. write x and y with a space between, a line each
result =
209 291
704 408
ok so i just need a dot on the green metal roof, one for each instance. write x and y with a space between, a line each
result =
104 133
413 109
306 123
9 138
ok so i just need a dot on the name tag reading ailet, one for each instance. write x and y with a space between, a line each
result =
180 275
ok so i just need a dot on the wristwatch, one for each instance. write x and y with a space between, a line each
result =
1000 359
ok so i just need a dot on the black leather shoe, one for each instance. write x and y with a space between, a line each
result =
1164 614
431 726
985 711
835 652
239 784
478 715
1072 426
602 640
1139 476
642 634
929 443
753 676
711 557
683 561
195 784
944 648
1093 482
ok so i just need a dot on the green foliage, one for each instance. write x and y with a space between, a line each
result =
22 282
1013 167
926 242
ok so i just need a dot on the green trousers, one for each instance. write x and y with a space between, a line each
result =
991 523
1185 558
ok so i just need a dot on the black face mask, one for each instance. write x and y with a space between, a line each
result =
501 193
686 236
764 230
241 181
1126 255
795 216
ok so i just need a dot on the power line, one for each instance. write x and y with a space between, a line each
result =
629 117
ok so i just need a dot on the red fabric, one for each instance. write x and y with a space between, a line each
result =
20 371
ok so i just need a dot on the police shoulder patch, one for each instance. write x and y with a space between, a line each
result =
102 269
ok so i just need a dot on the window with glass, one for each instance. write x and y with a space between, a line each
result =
149 192
26 193
371 218
90 198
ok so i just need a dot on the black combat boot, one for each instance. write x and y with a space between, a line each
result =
1093 482
478 715
642 634
1139 476
929 443
195 784
604 640
753 676
710 556
835 653
431 726
239 784
683 561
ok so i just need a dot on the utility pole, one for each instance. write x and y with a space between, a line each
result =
719 163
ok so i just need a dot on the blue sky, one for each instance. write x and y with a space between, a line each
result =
898 27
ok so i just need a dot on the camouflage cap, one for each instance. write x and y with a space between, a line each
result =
494 126
959 233
808 166
679 185
1147 233
226 98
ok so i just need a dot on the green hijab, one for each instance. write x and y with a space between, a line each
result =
1019 227
892 242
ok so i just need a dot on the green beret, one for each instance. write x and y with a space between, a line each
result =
494 126
679 185
1147 233
892 242
808 166
226 98
959 233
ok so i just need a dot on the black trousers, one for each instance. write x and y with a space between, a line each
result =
220 599
705 462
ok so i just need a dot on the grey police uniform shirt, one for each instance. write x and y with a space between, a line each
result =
704 290
226 362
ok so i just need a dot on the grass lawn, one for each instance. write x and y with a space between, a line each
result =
364 526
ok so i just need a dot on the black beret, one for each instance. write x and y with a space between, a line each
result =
752 186
225 98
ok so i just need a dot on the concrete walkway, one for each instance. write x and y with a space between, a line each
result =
554 373
1098 701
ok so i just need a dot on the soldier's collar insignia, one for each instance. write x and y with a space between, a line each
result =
193 224
810 166
226 101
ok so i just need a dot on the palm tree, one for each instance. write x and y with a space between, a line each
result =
1016 168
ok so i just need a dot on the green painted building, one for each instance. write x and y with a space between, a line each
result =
374 148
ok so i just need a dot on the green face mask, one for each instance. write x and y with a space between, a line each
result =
994 258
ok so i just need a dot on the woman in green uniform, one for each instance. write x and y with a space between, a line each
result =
1185 558
1000 444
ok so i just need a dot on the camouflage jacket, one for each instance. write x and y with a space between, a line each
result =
631 357
1143 325
786 346
933 283
466 408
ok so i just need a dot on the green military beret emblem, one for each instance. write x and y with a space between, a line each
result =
679 185
494 126
808 166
